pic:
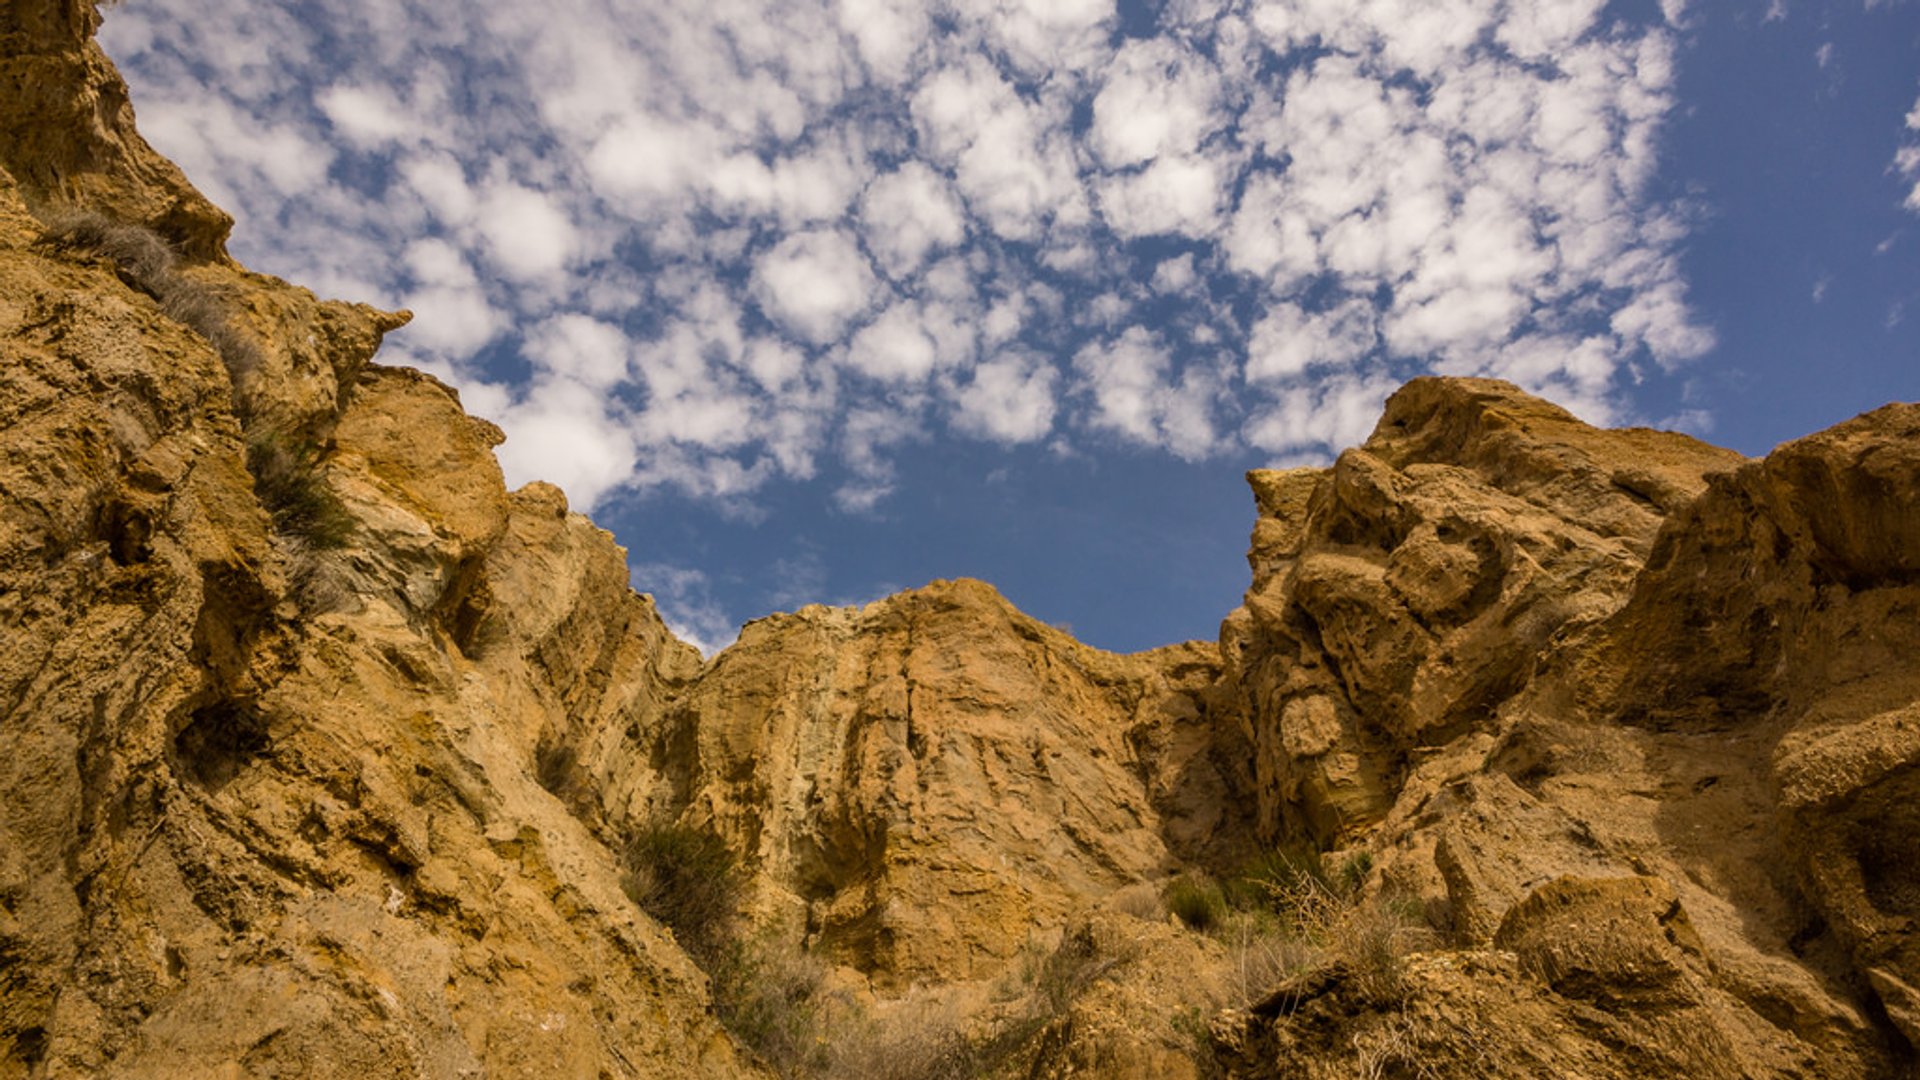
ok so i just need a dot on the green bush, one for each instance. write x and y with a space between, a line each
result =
1196 900
766 991
688 879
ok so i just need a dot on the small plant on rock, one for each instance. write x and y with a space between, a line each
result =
1196 900
288 480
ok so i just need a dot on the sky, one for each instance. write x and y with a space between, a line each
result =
815 301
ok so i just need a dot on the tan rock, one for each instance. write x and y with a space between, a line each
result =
1621 726
923 782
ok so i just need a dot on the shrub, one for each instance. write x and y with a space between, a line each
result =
917 1040
287 479
143 259
147 263
318 583
766 991
1289 910
1368 936
688 879
553 764
1262 952
1196 900
1072 969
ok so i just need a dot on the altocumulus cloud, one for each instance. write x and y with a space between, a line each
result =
712 245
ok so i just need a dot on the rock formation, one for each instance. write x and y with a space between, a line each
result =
1557 751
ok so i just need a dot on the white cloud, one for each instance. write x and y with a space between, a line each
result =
1906 161
908 214
527 235
1009 399
814 283
581 348
1287 341
562 431
887 34
1158 98
1137 395
368 116
1331 415
894 347
685 600
791 237
1173 195
1175 275
1010 156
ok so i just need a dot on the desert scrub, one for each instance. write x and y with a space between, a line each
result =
688 879
1291 910
146 262
1196 900
287 479
920 1037
285 468
765 989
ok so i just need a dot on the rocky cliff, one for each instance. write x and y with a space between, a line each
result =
1534 749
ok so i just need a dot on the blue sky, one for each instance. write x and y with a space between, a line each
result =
816 301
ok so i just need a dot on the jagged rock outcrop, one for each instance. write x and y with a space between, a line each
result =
1402 595
1569 751
1703 701
261 811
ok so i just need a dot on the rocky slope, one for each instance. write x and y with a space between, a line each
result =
1534 749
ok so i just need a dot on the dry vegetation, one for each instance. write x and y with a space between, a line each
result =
1281 917
287 469
147 263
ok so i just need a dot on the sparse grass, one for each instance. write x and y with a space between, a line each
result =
688 879
287 478
919 1039
1368 936
1064 974
318 582
1262 952
147 263
285 468
1193 1027
1290 910
766 991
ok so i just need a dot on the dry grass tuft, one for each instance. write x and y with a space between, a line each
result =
288 480
147 263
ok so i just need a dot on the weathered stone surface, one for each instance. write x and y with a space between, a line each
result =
241 835
922 782
1402 595
1619 734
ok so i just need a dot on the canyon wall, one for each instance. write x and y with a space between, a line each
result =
325 752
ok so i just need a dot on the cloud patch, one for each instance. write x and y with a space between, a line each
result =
712 246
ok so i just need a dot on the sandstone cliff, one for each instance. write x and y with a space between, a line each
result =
1534 749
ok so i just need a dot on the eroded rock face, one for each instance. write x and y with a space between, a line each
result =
1627 727
922 782
1682 787
267 809
1400 597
